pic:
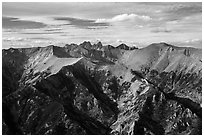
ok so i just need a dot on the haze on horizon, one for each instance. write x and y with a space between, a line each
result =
135 24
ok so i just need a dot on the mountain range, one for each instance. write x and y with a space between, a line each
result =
102 89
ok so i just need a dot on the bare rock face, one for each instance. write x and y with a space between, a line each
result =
158 107
96 89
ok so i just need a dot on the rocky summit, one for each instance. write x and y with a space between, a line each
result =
95 89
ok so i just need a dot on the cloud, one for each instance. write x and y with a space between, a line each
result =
39 33
40 38
97 27
16 23
197 40
81 23
196 43
125 17
13 39
182 10
139 26
42 19
161 30
53 29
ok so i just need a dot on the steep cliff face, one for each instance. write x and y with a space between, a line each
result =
95 89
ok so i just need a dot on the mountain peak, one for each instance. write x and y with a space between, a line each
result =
86 45
161 44
98 45
123 46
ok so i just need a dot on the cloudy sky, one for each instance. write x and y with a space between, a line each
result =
136 24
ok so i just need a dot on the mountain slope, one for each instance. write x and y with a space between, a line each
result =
96 89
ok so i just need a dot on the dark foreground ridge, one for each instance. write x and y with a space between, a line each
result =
91 89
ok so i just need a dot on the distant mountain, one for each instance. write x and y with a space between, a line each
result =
164 57
95 89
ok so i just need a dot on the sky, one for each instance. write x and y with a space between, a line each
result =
133 23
